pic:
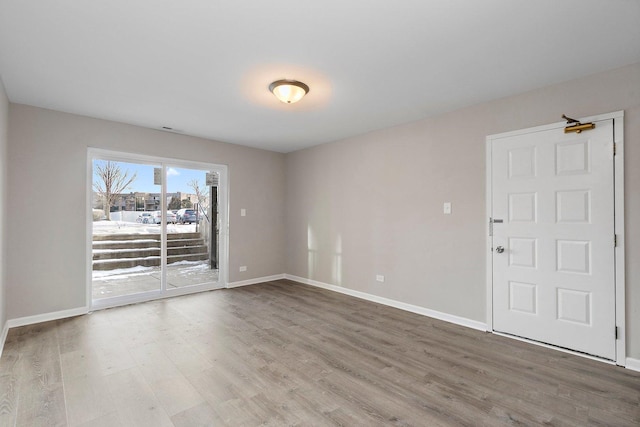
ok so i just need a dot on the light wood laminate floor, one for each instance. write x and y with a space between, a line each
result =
281 354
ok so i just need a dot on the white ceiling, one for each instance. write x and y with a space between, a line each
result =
203 67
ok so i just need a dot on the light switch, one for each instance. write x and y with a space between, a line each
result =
447 208
243 212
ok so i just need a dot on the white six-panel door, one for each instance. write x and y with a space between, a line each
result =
553 253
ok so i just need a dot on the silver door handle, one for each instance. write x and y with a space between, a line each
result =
499 249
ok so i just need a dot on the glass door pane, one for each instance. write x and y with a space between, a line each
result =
127 240
192 238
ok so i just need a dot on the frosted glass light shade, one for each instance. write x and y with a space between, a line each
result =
289 91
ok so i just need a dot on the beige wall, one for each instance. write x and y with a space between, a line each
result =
355 208
373 204
4 130
47 180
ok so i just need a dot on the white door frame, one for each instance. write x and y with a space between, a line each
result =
618 165
223 236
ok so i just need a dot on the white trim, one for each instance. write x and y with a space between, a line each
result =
633 364
599 117
255 281
186 290
462 321
223 233
3 337
154 296
46 317
618 165
164 207
618 123
88 250
489 238
119 301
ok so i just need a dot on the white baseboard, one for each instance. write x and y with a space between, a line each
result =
255 281
463 321
3 337
633 364
46 317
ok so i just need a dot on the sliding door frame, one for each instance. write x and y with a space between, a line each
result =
223 232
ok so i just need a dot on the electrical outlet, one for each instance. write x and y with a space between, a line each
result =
446 208
379 278
243 212
243 268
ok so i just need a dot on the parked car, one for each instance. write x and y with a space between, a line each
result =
157 217
145 218
186 216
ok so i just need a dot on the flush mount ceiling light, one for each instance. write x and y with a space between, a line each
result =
289 91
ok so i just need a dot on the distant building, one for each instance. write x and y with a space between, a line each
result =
138 201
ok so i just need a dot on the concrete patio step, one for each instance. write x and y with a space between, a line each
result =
125 253
174 243
145 236
145 253
116 251
125 244
199 249
152 261
144 243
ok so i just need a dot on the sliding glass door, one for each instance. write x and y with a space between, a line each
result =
192 227
155 227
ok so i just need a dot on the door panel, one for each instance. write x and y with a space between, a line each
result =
554 282
126 241
192 236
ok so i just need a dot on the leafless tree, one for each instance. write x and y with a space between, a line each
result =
110 180
201 195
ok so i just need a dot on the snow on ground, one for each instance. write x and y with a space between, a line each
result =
123 227
193 264
134 280
123 273
181 273
129 241
106 251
